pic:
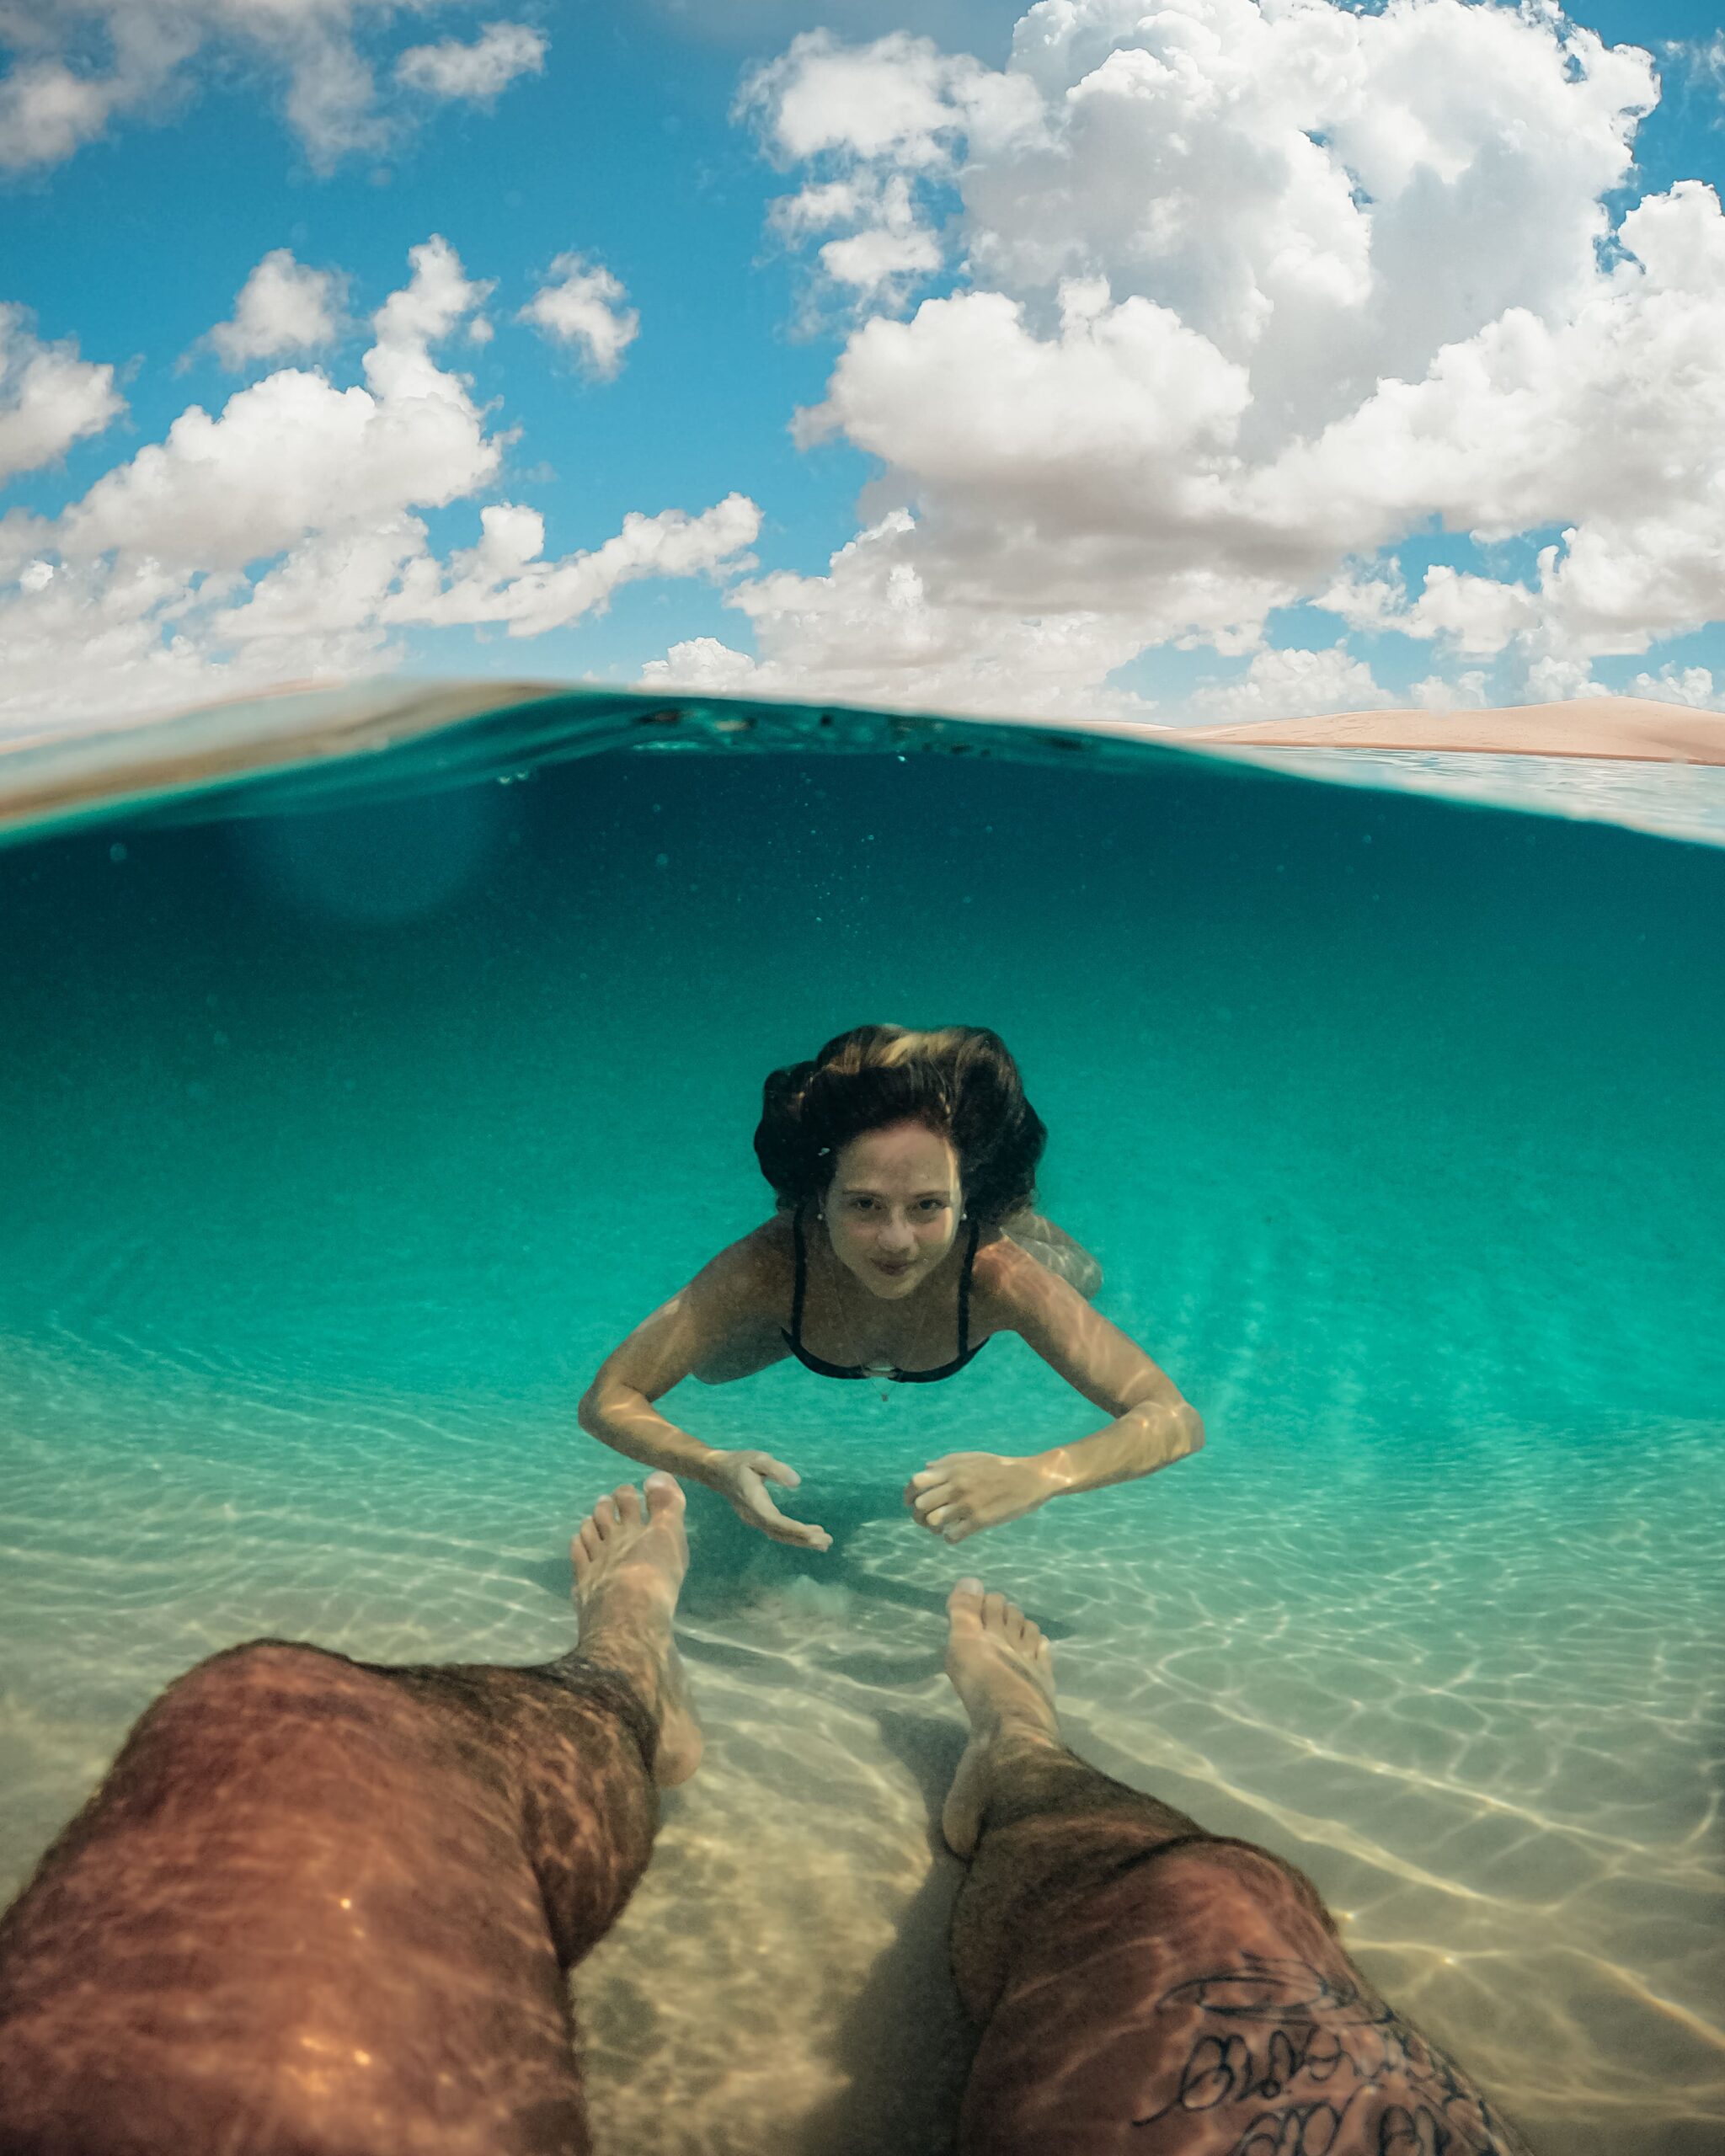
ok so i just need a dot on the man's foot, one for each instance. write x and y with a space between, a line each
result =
1003 1671
629 1564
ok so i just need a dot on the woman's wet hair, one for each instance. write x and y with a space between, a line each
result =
960 1081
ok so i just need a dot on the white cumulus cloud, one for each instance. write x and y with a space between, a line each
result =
282 306
1232 298
702 664
1293 684
284 536
582 308
869 630
1465 692
49 397
293 452
478 71
883 125
76 66
1694 685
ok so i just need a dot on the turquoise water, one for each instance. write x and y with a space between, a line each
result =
340 1144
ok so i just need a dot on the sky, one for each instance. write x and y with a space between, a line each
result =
1210 359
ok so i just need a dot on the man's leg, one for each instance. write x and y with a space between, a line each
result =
1144 1985
321 1909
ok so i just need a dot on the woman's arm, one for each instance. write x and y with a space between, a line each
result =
1151 1425
733 1294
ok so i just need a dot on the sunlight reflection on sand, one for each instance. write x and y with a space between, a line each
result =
1488 1738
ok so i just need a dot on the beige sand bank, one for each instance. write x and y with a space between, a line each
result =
1621 727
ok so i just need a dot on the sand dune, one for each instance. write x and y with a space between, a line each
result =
1589 726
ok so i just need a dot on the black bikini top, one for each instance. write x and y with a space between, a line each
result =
794 1338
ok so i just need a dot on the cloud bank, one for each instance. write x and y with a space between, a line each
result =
283 536
1232 299
78 65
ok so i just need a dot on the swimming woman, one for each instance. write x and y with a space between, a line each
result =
904 1168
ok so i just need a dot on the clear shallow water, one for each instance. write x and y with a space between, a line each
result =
1684 801
341 1146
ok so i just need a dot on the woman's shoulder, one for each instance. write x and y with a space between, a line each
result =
774 1242
1005 1279
764 1258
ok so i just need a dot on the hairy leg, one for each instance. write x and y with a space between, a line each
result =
322 1906
1143 1984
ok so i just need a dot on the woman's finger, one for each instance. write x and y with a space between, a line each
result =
767 1517
774 1470
798 1533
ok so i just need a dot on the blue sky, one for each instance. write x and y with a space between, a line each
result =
1246 364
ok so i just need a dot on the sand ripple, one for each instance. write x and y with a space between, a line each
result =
1492 1741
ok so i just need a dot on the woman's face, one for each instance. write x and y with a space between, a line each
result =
892 1209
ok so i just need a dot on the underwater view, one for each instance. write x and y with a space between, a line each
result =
353 1113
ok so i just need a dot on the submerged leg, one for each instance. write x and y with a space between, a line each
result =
322 1908
1143 1985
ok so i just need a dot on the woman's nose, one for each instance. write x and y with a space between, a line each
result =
898 1234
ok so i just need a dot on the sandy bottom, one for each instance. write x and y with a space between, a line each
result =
1479 1708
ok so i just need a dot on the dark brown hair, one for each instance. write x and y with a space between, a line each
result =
959 1081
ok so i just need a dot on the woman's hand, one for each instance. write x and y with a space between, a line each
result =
963 1492
741 1479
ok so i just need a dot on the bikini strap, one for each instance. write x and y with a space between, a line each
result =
801 1288
965 1293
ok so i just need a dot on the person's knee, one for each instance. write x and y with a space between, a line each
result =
256 1667
260 1682
1236 1888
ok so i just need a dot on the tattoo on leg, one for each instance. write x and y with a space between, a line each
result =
1330 2057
